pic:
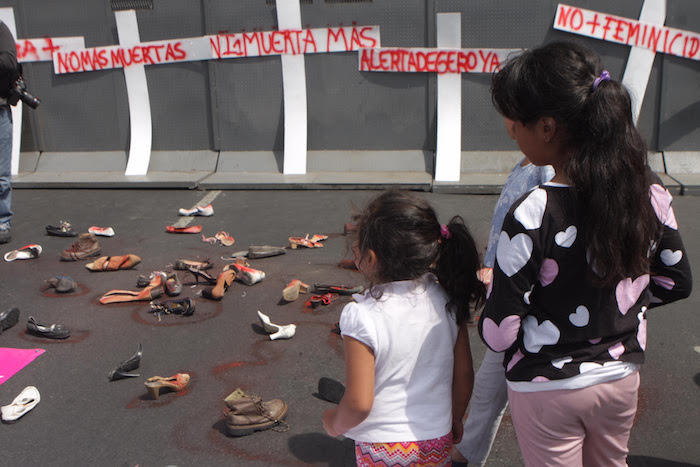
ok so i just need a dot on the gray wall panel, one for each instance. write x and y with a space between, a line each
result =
237 104
679 117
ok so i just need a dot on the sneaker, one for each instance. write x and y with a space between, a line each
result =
5 235
249 414
204 211
86 246
101 231
63 229
26 252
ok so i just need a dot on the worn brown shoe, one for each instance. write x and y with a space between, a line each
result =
86 246
249 414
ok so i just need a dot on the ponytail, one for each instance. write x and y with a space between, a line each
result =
456 269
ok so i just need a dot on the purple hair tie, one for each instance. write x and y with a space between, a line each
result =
604 76
445 232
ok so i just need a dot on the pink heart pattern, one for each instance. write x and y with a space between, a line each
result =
517 356
661 202
616 350
548 271
663 281
628 291
540 379
501 337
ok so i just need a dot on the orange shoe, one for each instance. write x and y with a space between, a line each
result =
193 229
176 382
291 292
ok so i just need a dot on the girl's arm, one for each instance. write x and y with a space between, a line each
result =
357 401
462 382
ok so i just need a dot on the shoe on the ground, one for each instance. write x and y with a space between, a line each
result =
23 403
330 389
176 382
130 364
265 251
53 331
63 229
8 318
26 252
101 231
86 247
178 306
190 229
185 264
204 211
62 284
339 289
113 263
245 274
292 290
276 331
248 414
5 235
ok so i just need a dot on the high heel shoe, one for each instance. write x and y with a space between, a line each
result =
176 382
222 284
197 273
132 363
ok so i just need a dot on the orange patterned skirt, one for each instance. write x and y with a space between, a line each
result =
428 453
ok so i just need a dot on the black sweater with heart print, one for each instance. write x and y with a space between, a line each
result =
542 311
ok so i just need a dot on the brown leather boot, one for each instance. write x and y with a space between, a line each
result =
249 414
86 246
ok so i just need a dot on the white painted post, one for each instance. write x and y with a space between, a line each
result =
7 15
137 93
294 85
448 151
640 60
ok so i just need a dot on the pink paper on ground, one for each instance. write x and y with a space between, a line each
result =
13 360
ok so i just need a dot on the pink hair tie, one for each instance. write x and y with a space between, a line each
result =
445 232
604 76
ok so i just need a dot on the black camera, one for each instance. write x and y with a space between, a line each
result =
19 91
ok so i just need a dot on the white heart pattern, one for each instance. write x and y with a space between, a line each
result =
580 317
567 237
513 254
642 330
536 335
560 362
588 366
526 295
531 210
669 258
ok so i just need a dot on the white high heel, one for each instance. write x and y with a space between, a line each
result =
276 331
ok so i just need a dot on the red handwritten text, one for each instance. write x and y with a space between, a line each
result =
432 60
627 31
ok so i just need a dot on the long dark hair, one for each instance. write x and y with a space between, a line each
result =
403 231
607 159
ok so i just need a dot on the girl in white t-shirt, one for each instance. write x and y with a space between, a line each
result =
409 370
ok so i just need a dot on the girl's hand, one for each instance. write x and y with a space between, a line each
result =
328 422
457 431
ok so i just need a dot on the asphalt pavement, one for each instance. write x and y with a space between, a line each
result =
84 419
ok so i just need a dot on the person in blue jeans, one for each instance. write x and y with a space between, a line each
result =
490 395
8 75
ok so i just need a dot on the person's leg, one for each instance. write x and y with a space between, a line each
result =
488 402
547 423
609 424
5 166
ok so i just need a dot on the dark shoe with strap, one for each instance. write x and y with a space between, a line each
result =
63 229
53 331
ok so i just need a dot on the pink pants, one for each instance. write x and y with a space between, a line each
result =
577 427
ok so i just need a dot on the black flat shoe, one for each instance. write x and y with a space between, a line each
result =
124 367
180 306
9 318
339 289
330 389
64 229
54 331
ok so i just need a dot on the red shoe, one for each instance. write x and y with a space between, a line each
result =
193 229
307 242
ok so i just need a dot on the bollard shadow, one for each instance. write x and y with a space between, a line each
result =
317 448
696 378
646 461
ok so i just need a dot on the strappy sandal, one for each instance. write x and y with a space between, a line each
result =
325 299
184 264
181 306
113 263
176 382
295 242
197 273
223 282
224 238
